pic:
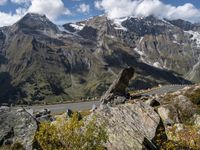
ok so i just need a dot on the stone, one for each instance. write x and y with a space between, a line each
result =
179 127
44 115
128 125
168 114
17 126
197 120
185 106
118 87
44 118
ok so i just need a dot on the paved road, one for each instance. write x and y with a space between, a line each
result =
59 108
165 89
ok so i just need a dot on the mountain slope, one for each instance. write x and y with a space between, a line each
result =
40 61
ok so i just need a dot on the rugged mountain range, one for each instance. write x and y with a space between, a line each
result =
42 61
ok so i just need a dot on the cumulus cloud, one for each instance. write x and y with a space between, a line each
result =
98 5
51 8
3 2
9 18
84 8
143 8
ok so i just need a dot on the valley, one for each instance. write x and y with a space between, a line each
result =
42 62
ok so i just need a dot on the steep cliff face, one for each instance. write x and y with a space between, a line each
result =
41 61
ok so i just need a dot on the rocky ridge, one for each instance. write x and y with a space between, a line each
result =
40 61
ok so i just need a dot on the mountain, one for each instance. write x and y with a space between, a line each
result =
40 61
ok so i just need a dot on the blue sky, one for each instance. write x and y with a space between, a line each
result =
62 11
181 2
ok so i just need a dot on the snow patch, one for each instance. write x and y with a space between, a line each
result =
118 23
175 39
167 22
77 27
66 33
141 39
195 37
61 28
157 65
139 52
112 37
175 36
175 42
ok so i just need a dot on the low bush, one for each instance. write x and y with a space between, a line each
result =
194 96
72 135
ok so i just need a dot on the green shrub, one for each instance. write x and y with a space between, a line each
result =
72 135
194 96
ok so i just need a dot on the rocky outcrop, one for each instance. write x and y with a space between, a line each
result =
116 94
153 122
180 116
17 126
128 125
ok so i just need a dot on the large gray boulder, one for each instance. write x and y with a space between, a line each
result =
17 126
128 125
118 88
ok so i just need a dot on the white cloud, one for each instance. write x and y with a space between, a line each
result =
3 2
51 8
124 8
9 18
98 4
84 8
21 1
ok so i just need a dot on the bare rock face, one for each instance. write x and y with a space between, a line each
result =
17 126
117 90
128 125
